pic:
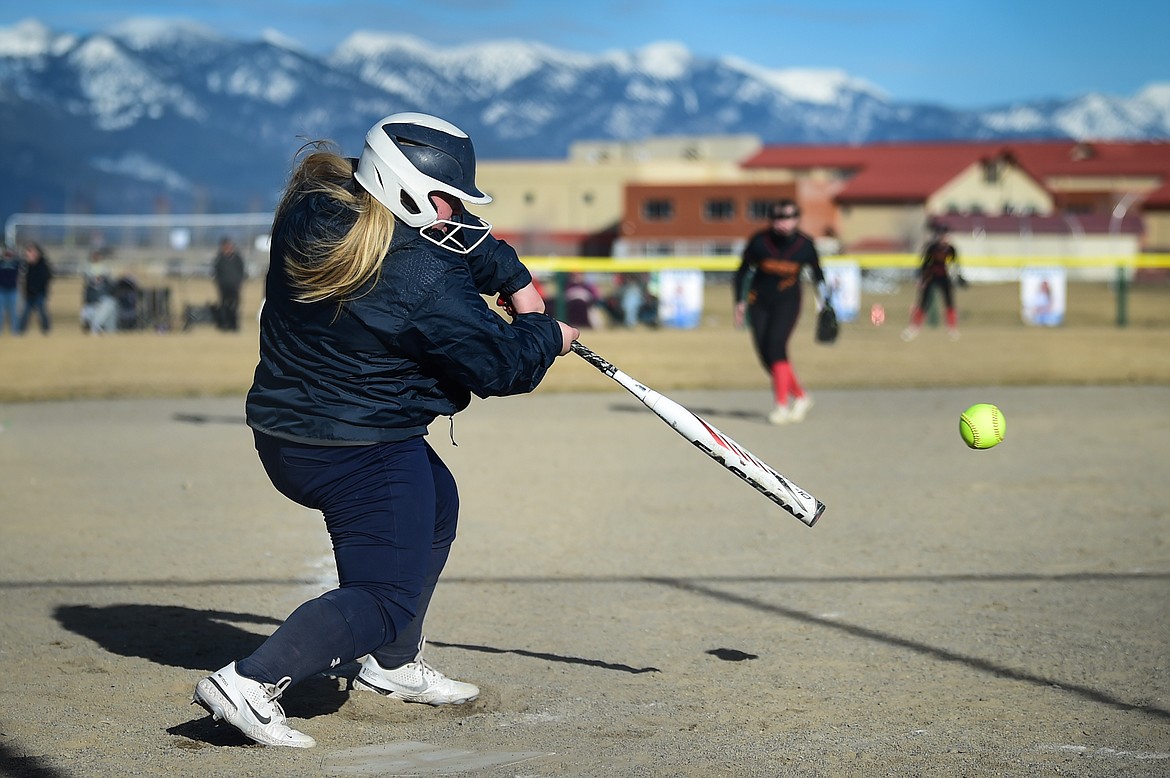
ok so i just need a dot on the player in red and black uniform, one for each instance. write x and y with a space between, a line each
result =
937 259
775 258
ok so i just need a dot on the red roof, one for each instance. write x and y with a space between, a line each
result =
911 172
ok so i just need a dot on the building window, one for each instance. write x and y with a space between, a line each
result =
720 210
658 210
761 210
587 198
529 198
991 172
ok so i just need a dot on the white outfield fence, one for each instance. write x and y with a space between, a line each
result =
152 244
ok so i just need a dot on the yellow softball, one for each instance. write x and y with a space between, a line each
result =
982 426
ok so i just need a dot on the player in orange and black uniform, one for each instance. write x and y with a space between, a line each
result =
937 259
775 257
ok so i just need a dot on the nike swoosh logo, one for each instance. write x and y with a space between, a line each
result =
416 689
262 719
228 697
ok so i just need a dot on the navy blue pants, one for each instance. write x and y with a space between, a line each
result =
391 510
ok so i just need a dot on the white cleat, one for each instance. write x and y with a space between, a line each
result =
800 407
250 706
909 334
779 415
415 681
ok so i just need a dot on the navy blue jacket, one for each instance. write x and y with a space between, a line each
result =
413 346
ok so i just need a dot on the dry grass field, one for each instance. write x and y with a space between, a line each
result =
996 349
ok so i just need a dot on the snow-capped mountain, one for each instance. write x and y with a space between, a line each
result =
154 114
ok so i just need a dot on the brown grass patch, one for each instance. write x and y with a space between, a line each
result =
995 349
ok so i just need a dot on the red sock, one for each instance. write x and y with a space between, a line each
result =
916 317
797 389
781 375
952 318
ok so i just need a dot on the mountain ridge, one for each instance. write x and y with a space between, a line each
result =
153 114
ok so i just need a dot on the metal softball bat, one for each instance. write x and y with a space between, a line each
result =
715 444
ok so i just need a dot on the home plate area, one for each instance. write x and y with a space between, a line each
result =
409 758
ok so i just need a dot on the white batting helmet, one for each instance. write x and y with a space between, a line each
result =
409 155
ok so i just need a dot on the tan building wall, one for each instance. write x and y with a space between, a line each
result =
882 227
1013 191
553 206
1157 231
540 206
717 148
1069 184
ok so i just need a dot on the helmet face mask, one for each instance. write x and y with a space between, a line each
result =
457 236
406 157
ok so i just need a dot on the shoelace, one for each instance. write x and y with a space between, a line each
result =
274 692
429 674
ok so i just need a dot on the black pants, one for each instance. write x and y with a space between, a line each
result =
927 292
229 309
772 323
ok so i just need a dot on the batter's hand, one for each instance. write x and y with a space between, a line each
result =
568 335
740 308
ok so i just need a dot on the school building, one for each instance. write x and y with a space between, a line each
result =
700 196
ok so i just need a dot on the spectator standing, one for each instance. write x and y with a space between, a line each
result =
631 302
99 309
38 274
633 293
9 290
229 273
939 259
581 301
774 259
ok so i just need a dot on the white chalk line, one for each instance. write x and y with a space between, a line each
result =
1109 752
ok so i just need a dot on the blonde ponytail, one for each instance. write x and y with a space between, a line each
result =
335 267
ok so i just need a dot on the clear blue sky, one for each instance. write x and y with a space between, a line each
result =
959 54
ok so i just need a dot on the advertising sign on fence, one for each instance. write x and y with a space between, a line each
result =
1042 296
844 282
680 298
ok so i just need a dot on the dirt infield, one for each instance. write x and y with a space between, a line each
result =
628 608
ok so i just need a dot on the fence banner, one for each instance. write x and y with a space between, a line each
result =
680 298
1042 295
844 282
